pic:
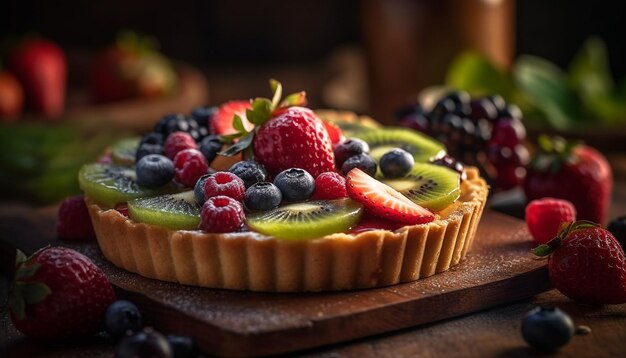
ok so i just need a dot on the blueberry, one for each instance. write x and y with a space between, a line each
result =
121 317
617 227
183 347
193 124
195 134
203 115
361 161
417 121
198 189
154 170
263 196
349 148
210 146
295 184
203 132
547 329
396 163
250 172
152 138
147 149
147 343
172 123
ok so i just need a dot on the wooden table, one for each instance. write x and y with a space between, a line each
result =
490 333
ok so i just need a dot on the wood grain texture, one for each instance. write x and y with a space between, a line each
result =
499 269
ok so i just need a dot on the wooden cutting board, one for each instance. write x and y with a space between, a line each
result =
499 269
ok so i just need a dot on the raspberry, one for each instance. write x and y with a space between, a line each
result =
545 216
73 222
226 184
222 214
178 141
122 209
329 185
189 166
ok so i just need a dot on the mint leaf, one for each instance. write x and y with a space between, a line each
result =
277 90
474 73
243 143
294 99
546 86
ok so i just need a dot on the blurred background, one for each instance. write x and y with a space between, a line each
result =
371 57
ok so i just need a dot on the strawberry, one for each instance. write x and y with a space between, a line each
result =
545 216
131 68
383 201
11 96
573 172
59 292
586 264
42 69
294 138
285 135
334 132
222 121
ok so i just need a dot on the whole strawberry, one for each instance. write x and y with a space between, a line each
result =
586 264
294 137
42 69
59 292
285 135
573 172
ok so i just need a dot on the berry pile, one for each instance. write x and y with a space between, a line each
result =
485 132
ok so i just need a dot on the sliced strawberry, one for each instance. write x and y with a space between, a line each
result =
222 121
383 201
334 132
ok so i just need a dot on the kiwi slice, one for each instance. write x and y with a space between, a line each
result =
111 184
431 186
173 211
307 220
123 151
383 140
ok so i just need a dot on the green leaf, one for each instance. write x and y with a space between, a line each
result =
34 292
542 250
277 90
294 99
472 72
260 112
26 271
243 143
546 86
228 138
20 257
238 124
589 72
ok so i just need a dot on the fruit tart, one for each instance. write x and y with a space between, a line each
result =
267 195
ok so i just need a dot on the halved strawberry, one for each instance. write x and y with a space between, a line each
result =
334 132
222 121
383 201
369 223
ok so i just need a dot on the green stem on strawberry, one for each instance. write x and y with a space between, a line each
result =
25 292
566 229
553 152
261 112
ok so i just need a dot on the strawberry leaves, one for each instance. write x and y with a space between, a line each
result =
566 229
25 291
261 111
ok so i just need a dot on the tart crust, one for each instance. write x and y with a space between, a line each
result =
252 261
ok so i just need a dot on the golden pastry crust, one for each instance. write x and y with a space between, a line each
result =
252 261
